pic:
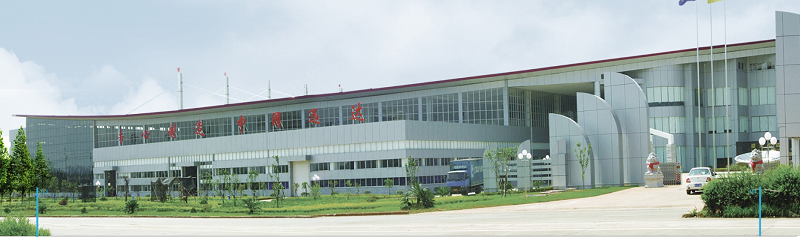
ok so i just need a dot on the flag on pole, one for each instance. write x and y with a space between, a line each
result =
713 1
681 2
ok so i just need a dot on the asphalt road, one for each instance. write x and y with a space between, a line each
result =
636 211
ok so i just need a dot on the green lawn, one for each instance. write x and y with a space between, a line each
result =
295 206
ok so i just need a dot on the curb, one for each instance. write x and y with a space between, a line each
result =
295 216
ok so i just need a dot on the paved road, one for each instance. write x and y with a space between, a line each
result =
636 211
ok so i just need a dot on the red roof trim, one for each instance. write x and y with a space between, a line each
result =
391 87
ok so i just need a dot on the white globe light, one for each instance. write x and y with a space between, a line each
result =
767 135
519 156
524 152
547 157
529 156
773 140
762 141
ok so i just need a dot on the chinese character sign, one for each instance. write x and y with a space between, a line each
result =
198 128
355 113
313 117
276 120
241 122
121 137
171 131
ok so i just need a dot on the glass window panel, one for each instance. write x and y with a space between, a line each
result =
657 95
773 123
754 96
650 95
742 96
755 124
764 124
771 95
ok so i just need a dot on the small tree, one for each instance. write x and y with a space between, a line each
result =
262 186
295 186
222 180
358 187
207 183
277 186
21 165
582 153
424 197
347 192
5 170
389 183
305 189
252 178
41 171
331 185
234 186
127 189
500 159
315 190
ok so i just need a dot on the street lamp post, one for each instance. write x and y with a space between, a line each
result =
763 141
525 156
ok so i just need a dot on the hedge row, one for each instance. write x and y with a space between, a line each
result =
731 196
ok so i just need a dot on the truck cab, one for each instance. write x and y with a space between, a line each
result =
458 181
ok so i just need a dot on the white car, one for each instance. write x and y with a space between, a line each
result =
698 177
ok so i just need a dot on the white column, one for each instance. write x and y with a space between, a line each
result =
795 151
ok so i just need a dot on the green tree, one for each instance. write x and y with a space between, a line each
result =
347 192
389 183
582 153
295 186
332 184
252 181
21 165
222 178
277 186
305 189
315 188
424 197
207 183
233 187
41 170
499 159
5 170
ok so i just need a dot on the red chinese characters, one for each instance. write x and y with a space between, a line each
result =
241 122
198 128
355 113
313 117
276 120
171 131
146 134
121 137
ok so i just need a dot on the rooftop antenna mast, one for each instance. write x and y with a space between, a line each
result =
180 89
227 89
269 91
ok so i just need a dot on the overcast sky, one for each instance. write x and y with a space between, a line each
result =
109 57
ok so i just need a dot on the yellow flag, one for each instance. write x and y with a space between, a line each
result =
713 1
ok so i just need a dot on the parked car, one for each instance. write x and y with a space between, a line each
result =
697 178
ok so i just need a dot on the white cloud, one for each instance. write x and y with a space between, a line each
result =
148 97
24 89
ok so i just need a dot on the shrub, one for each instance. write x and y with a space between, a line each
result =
84 211
367 192
305 194
130 206
372 199
251 204
731 197
19 226
63 201
399 192
193 210
203 201
103 199
6 210
442 191
42 208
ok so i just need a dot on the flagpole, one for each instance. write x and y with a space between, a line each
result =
699 97
727 90
713 91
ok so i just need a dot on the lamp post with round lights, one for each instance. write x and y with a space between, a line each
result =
764 141
525 156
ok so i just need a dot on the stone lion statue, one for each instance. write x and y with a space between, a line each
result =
756 160
653 164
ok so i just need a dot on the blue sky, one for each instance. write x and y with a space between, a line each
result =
109 57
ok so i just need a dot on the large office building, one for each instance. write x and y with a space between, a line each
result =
364 136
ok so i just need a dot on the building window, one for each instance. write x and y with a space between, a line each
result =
519 113
404 109
483 106
665 94
368 110
446 161
346 165
280 169
320 166
240 170
442 108
668 124
175 173
431 161
764 124
291 120
390 163
252 124
327 117
367 164
762 96
217 127
743 124
259 169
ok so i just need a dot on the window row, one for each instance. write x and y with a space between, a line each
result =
378 182
665 94
668 124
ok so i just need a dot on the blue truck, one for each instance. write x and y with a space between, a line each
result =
465 176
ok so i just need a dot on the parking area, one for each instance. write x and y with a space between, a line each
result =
635 211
